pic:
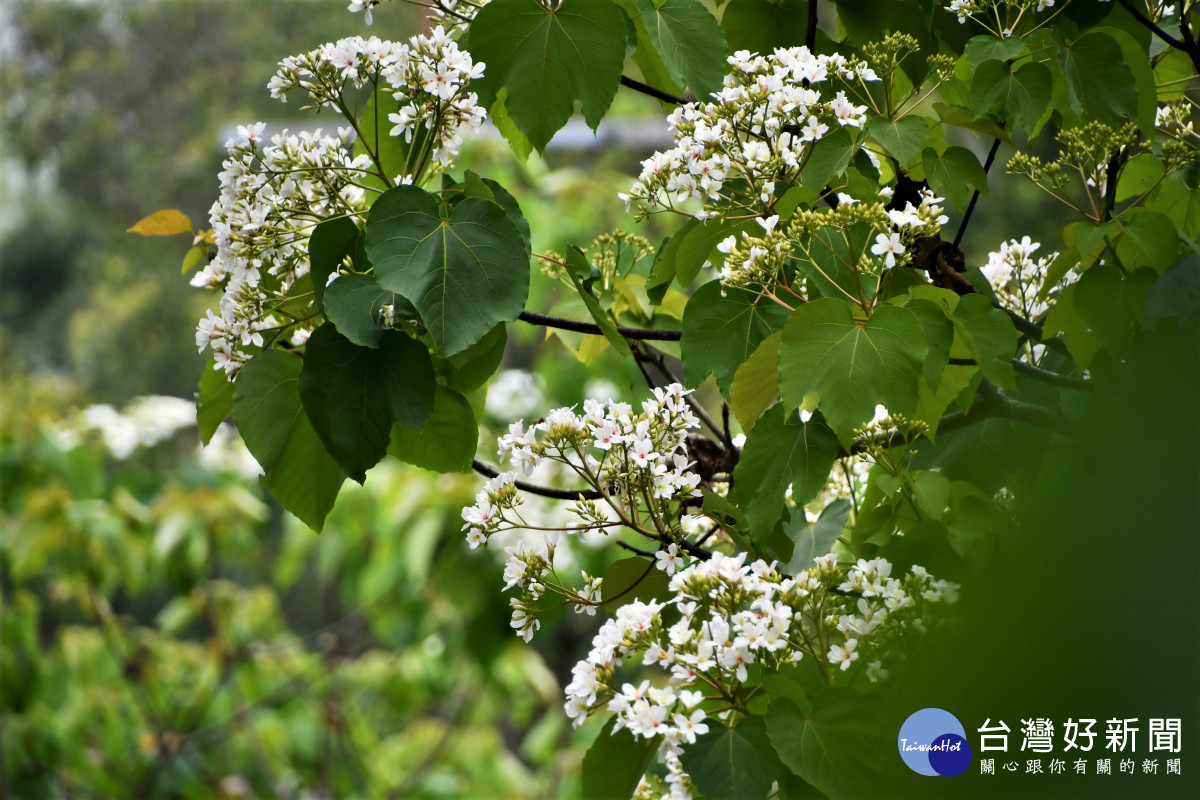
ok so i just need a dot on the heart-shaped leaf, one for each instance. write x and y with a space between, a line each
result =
546 59
353 395
300 473
464 271
851 365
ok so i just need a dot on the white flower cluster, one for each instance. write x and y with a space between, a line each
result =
1008 10
758 259
1176 119
760 130
428 76
631 457
144 422
1018 279
271 198
734 616
636 460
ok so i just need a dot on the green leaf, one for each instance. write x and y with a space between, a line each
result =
931 490
354 394
690 41
654 71
1140 175
576 265
214 400
903 138
815 539
488 189
615 763
299 472
1100 83
986 48
828 159
732 764
721 329
1111 302
953 171
464 272
990 335
851 365
1133 54
547 60
193 257
756 383
634 578
728 516
781 451
1148 239
964 118
934 399
998 89
692 245
1063 317
1177 294
518 142
331 241
354 303
828 744
446 443
1170 73
762 25
939 333
467 371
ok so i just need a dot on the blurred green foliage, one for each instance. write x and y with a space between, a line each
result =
167 633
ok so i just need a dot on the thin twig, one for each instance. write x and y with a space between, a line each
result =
657 94
638 550
641 334
810 36
1056 378
1149 23
541 491
987 165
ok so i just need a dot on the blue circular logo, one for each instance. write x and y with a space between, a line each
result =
934 742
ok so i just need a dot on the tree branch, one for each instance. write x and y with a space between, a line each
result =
1065 381
987 165
637 550
1189 40
810 36
540 491
657 94
641 334
1058 379
991 404
699 410
1149 23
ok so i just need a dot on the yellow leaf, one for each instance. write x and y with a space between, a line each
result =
166 222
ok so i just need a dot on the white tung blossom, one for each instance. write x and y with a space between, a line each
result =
273 195
1019 279
760 128
732 615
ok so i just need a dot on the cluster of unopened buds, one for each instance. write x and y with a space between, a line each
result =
757 134
758 259
733 618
